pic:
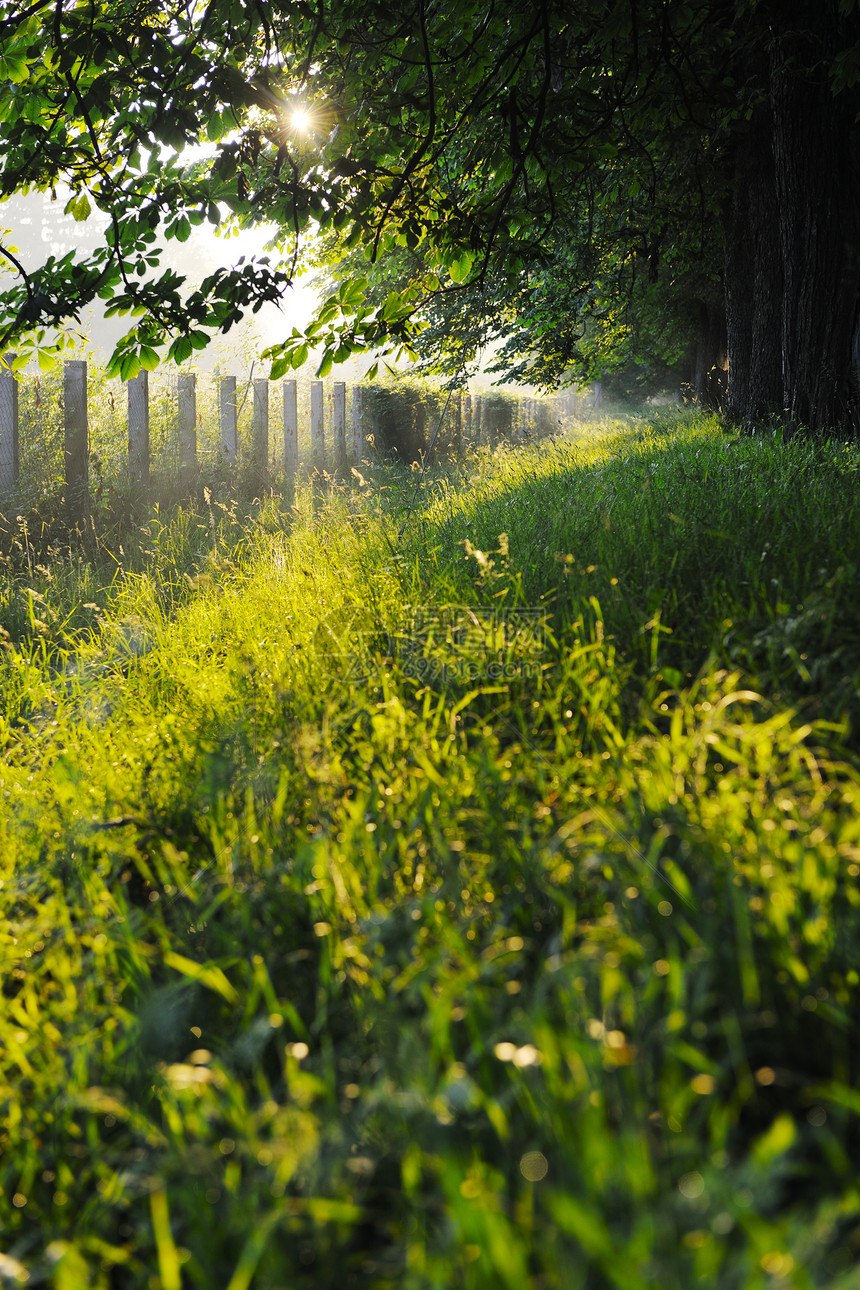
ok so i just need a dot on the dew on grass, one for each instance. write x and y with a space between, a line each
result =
691 1185
534 1166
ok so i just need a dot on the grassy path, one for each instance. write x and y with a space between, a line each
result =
473 907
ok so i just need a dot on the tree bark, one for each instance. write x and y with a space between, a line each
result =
711 363
739 272
753 262
816 192
754 282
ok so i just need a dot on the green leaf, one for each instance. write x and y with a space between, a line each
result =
149 359
326 365
299 356
206 974
460 268
181 349
47 359
169 1266
15 69
777 1139
78 206
215 126
392 306
129 367
351 293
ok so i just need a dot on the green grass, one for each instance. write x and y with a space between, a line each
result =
353 940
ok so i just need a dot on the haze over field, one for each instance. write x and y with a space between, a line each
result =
40 228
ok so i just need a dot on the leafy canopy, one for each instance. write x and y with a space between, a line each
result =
505 148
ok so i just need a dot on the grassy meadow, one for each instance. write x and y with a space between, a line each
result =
456 898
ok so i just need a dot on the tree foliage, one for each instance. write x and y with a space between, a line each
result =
568 180
460 133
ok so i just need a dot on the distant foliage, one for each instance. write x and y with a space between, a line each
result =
402 418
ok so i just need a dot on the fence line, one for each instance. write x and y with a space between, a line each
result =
291 428
228 415
357 423
470 421
186 401
138 428
8 426
77 436
260 430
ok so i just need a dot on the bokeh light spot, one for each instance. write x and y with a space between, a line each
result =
534 1166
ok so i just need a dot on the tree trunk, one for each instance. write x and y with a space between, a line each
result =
766 353
718 372
816 191
709 381
739 272
754 278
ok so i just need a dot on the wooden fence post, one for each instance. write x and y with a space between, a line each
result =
477 417
291 429
490 416
8 426
138 427
467 418
186 387
317 425
457 400
261 429
419 427
357 425
76 440
227 409
339 425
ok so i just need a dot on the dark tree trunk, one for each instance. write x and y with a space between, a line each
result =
754 278
739 272
766 353
816 190
718 373
709 379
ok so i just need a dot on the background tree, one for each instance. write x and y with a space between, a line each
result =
536 158
792 264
